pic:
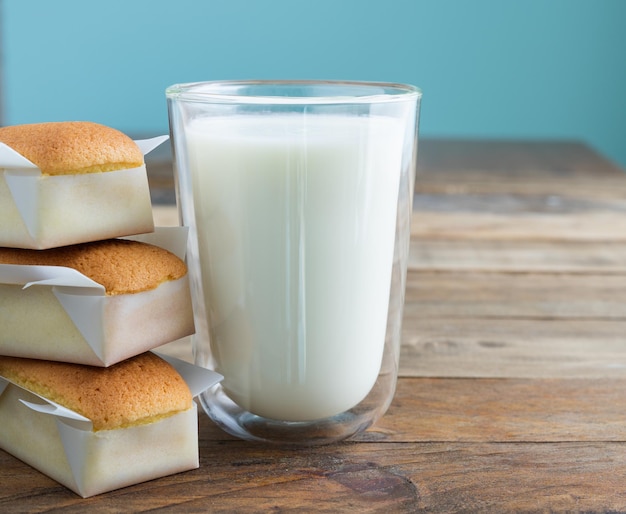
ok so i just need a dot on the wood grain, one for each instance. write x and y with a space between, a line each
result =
504 410
513 348
596 227
512 365
531 159
363 477
605 257
515 295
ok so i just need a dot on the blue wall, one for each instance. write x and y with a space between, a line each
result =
488 68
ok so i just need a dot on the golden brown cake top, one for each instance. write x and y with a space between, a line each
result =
136 391
121 266
73 147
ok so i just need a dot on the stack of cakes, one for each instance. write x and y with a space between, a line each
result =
87 287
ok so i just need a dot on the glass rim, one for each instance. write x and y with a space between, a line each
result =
218 92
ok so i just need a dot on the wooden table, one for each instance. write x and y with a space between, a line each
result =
512 370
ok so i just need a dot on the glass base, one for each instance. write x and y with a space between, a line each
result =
243 424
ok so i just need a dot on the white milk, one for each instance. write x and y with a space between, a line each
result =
296 222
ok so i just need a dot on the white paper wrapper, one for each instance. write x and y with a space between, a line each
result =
62 444
57 313
45 211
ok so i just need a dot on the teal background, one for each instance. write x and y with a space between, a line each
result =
488 69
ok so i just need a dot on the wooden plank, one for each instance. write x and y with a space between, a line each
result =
376 477
516 203
516 256
501 191
501 159
391 478
515 295
513 348
503 410
552 189
593 227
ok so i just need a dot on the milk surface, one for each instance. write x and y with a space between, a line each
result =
296 222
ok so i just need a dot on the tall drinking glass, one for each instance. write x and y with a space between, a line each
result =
298 198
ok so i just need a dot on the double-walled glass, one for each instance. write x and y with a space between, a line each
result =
298 199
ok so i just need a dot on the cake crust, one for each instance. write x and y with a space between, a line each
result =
122 266
136 391
73 147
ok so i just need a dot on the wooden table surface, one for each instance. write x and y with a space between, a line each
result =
513 365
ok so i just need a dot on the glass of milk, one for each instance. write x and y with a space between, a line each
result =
298 196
